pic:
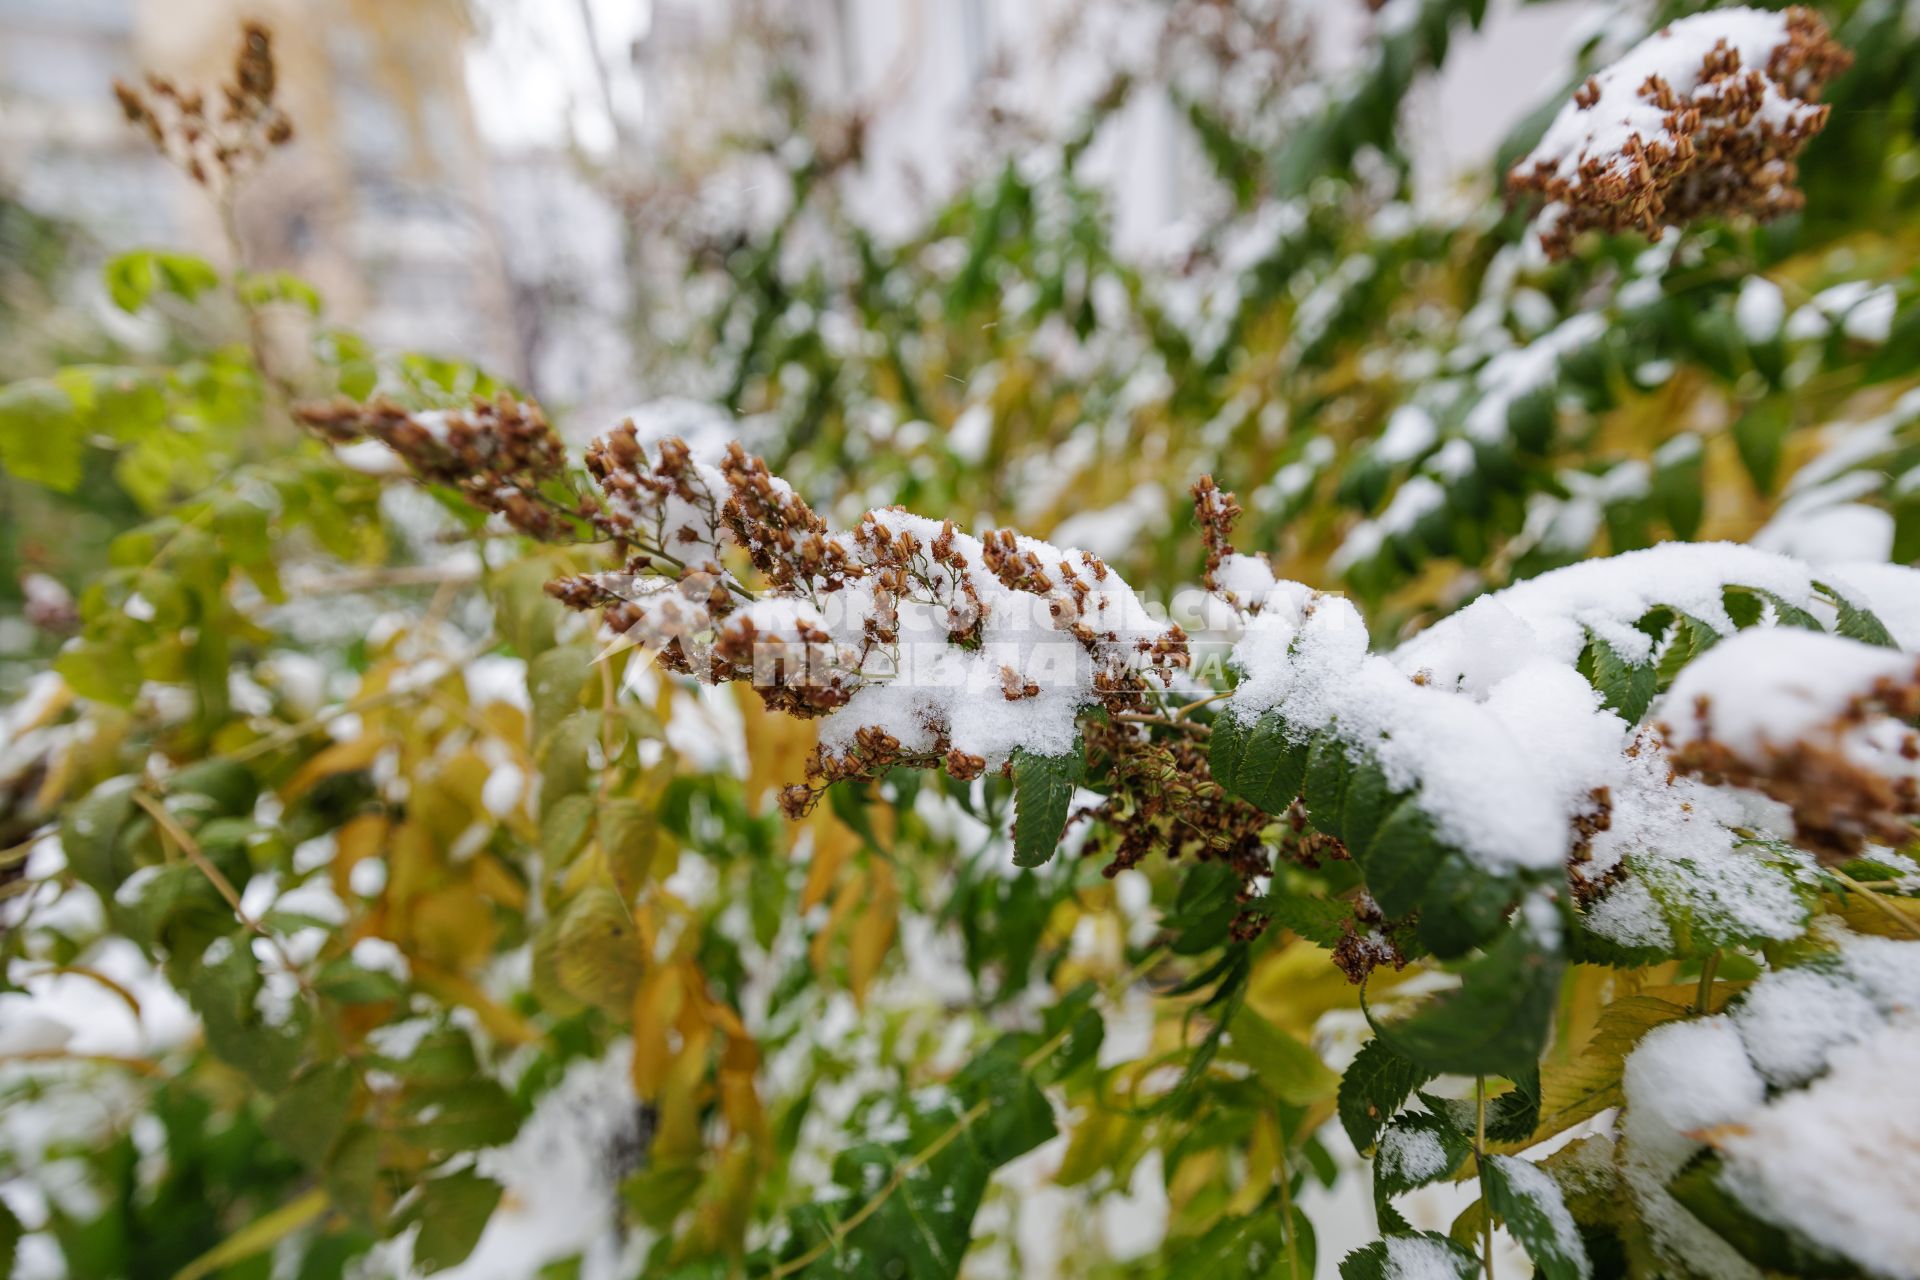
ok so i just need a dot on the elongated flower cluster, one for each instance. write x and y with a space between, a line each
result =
501 454
214 145
1704 117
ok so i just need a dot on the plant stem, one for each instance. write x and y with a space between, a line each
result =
1286 1202
1703 998
1480 1171
1907 922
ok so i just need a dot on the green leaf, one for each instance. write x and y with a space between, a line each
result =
1250 1247
1043 788
1413 1253
1417 1148
554 682
1496 1021
1257 762
1855 622
133 278
266 288
1377 1083
1771 1248
452 1211
1759 434
1402 858
564 825
310 1116
41 437
93 834
1528 1200
1291 1071
461 1117
1625 687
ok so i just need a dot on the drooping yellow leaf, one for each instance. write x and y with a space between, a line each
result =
656 1007
597 955
834 843
872 934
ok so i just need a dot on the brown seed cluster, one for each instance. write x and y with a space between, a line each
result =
1717 152
1839 803
501 455
214 143
1215 511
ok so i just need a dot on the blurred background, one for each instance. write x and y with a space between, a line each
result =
519 181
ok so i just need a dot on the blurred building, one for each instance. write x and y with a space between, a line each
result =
383 201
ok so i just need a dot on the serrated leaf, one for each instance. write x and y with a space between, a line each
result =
1528 1200
1856 622
1407 1254
1496 1021
1417 1148
1402 858
1257 762
1626 687
1043 788
1377 1083
1584 1087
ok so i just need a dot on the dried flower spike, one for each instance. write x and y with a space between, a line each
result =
1705 117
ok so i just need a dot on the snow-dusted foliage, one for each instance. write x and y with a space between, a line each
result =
862 821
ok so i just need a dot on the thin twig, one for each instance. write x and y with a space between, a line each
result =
1907 922
1480 1171
187 845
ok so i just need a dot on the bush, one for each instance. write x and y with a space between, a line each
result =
425 853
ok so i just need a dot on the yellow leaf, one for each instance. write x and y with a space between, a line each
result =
629 837
833 844
873 931
656 1007
597 953
1583 1088
340 757
359 837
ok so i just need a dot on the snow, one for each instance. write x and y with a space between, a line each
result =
1845 1021
1510 375
1420 1258
1411 1155
1793 1019
1771 687
1676 54
1608 596
1537 1187
1839 1162
1305 656
1409 432
1760 309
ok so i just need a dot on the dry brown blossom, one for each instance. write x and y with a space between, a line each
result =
1703 118
214 145
1840 801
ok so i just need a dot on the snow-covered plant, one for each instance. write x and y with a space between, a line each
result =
421 853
